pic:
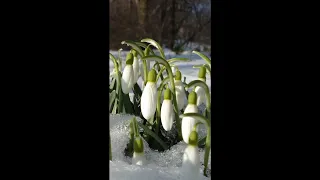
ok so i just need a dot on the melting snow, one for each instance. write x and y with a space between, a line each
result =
165 165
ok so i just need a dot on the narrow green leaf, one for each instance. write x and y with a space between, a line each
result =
128 106
152 134
112 97
115 107
134 46
113 82
204 57
156 45
173 60
141 44
206 89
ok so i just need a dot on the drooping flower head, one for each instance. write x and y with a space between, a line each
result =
149 96
127 75
167 113
135 66
199 90
189 122
191 159
180 91
138 154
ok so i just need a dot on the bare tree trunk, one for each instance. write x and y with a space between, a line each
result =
173 24
162 18
142 10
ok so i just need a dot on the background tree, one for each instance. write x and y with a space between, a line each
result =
174 23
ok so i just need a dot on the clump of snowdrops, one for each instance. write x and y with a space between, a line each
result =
170 111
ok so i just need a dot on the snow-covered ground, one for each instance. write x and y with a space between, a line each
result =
165 165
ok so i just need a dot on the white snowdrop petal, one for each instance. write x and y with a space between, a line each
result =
141 69
139 159
180 95
201 95
190 169
167 114
188 122
127 79
135 70
149 100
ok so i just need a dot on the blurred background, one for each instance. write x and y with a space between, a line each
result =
179 25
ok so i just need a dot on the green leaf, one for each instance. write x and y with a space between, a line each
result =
156 45
152 134
173 60
115 107
128 106
134 46
141 44
204 57
112 97
113 82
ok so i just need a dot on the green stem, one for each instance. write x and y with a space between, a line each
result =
158 68
120 61
207 151
205 87
119 90
135 127
195 126
160 73
156 45
204 57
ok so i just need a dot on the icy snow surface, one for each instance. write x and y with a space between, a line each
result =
165 165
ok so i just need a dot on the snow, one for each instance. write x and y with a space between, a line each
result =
161 165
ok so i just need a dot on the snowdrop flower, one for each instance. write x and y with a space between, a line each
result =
138 154
191 159
173 69
180 92
199 90
189 122
135 67
167 113
149 96
127 75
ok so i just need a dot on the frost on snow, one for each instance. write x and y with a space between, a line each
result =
165 165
